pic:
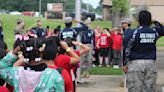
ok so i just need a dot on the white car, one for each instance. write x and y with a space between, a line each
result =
15 13
99 17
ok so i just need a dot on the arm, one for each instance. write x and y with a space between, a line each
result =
19 62
9 59
84 48
159 28
82 28
7 72
97 44
74 57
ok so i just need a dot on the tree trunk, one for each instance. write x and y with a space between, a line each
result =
116 19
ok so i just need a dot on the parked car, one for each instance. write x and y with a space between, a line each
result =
15 13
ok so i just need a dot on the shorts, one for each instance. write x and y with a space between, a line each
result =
104 52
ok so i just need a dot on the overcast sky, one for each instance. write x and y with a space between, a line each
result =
94 3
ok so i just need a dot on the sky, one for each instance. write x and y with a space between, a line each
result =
94 3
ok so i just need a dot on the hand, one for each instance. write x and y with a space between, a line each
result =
16 50
76 21
64 45
75 42
125 69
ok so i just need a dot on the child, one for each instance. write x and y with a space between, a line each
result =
104 43
35 76
117 46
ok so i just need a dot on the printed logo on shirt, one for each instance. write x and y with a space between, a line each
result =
67 34
89 34
103 40
147 37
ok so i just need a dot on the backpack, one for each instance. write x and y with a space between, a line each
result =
87 36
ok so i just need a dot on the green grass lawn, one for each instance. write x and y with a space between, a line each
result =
9 23
105 71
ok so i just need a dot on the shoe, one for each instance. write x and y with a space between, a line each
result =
83 74
87 74
80 82
116 66
100 65
93 65
107 65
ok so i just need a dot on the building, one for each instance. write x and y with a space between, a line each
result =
156 7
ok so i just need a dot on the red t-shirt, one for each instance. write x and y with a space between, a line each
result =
63 61
117 42
67 79
104 41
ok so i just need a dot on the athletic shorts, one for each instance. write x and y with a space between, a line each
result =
104 52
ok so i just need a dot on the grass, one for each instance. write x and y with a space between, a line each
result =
160 42
9 23
105 71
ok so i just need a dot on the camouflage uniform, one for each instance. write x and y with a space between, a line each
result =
141 76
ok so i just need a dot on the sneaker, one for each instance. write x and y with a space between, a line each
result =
107 65
100 65
87 74
93 65
116 66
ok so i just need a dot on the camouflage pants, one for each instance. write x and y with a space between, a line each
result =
141 76
86 60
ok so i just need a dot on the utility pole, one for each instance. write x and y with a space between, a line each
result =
78 10
40 7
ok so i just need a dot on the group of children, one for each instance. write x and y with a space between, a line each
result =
109 46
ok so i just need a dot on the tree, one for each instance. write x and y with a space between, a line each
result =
99 9
120 9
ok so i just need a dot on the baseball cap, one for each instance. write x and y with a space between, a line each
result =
126 20
68 20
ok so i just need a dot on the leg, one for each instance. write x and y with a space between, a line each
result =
135 77
109 56
100 61
150 78
107 61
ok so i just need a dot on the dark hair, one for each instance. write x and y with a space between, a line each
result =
68 24
51 48
68 40
2 53
57 29
19 22
47 27
106 29
34 53
3 45
145 18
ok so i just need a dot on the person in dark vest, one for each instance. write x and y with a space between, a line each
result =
140 54
38 31
87 38
68 31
